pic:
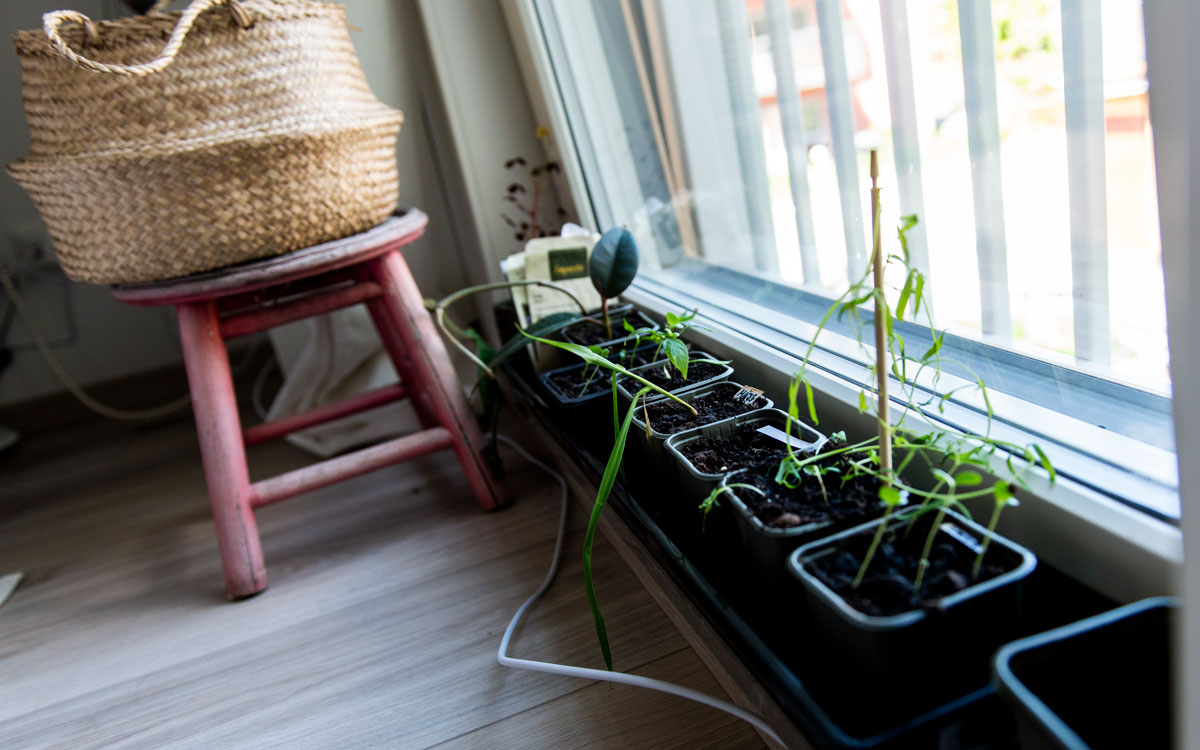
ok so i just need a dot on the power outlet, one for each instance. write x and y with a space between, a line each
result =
45 290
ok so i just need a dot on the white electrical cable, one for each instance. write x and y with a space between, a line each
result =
60 372
600 674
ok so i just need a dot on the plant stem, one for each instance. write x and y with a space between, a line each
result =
923 563
607 322
991 530
439 312
866 563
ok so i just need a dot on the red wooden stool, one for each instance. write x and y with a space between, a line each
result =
224 304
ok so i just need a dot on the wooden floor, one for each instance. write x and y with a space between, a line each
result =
389 594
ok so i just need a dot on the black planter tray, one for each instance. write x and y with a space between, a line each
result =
759 620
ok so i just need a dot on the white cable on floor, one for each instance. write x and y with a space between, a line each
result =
600 674
60 372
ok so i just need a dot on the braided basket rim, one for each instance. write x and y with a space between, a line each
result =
130 31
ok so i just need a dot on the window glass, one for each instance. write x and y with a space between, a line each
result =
738 132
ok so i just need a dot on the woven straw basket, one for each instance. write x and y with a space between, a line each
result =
171 143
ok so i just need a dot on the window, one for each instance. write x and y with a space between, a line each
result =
732 137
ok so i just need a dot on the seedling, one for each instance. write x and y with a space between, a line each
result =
668 339
710 502
591 371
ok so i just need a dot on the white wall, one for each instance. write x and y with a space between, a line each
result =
115 340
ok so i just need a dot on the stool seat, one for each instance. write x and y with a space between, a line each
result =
219 305
407 225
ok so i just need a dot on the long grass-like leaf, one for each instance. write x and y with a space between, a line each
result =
589 538
592 358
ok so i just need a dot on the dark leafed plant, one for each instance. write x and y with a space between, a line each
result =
612 266
527 195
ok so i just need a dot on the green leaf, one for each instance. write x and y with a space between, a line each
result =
677 354
793 403
589 537
672 319
1003 492
812 407
905 293
919 294
614 263
881 308
854 303
934 348
907 222
948 480
628 326
1049 467
968 478
862 402
988 403
892 497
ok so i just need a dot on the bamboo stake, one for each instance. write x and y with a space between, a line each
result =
881 372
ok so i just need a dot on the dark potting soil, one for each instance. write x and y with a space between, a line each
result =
670 417
569 384
844 504
887 588
744 448
668 378
587 333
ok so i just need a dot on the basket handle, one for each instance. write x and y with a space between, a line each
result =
52 22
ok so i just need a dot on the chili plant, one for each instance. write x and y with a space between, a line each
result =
669 340
954 459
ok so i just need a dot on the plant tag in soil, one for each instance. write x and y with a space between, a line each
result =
774 432
962 536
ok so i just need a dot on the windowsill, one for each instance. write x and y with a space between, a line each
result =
1067 524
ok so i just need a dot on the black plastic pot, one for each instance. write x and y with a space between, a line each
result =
904 657
550 357
1101 682
590 416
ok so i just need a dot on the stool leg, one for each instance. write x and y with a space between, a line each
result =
426 370
394 345
221 448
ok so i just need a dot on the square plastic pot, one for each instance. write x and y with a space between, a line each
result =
646 459
922 657
626 397
1104 681
588 417
695 485
550 357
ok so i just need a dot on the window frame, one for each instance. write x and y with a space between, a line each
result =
1066 523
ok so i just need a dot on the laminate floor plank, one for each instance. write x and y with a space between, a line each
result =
621 716
389 595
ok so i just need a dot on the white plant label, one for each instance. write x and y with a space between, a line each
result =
963 536
783 437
